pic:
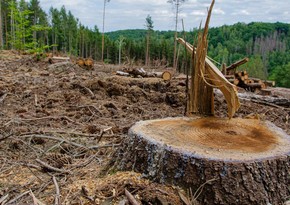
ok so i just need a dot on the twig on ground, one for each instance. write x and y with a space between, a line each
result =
85 193
86 89
57 191
56 139
184 199
36 100
200 189
45 118
102 133
85 163
103 146
35 200
17 197
72 143
131 198
2 98
47 166
3 199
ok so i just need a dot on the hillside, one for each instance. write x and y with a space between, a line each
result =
266 44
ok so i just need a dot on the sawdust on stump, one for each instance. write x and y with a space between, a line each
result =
238 161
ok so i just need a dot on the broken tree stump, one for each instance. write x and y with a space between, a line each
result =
237 161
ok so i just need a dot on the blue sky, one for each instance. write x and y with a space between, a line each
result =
130 14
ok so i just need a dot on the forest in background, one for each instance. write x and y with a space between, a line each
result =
25 26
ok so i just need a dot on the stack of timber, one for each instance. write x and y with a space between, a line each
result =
56 59
86 63
141 73
242 79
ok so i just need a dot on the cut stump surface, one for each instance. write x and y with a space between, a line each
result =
237 161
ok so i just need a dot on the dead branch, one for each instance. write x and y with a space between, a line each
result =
47 166
2 98
17 197
45 118
102 133
104 146
57 192
88 106
86 89
85 193
3 199
131 198
184 199
36 100
85 163
35 200
56 139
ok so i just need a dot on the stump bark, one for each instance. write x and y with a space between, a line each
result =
237 161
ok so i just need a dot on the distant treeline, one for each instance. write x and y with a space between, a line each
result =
25 26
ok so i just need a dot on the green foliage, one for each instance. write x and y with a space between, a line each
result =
255 67
149 23
281 75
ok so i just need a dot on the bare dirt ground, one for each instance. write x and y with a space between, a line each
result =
60 125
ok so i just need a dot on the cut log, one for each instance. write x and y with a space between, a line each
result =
257 85
53 60
121 73
270 83
166 75
265 92
237 64
237 161
256 80
81 62
89 62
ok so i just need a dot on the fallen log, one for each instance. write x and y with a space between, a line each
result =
270 83
166 75
256 85
53 60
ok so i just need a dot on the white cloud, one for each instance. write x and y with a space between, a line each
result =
218 11
198 13
122 14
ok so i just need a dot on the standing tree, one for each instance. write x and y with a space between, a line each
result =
120 42
35 7
103 34
1 27
176 4
149 26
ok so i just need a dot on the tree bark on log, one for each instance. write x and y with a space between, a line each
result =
256 172
237 64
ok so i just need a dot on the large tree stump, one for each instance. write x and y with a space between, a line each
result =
237 161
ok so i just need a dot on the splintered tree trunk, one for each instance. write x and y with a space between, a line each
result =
201 99
222 161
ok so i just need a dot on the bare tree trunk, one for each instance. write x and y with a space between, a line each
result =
34 32
147 62
103 34
120 49
12 29
175 35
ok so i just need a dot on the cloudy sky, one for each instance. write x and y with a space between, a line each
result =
131 14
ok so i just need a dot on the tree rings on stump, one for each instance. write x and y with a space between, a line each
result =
237 161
